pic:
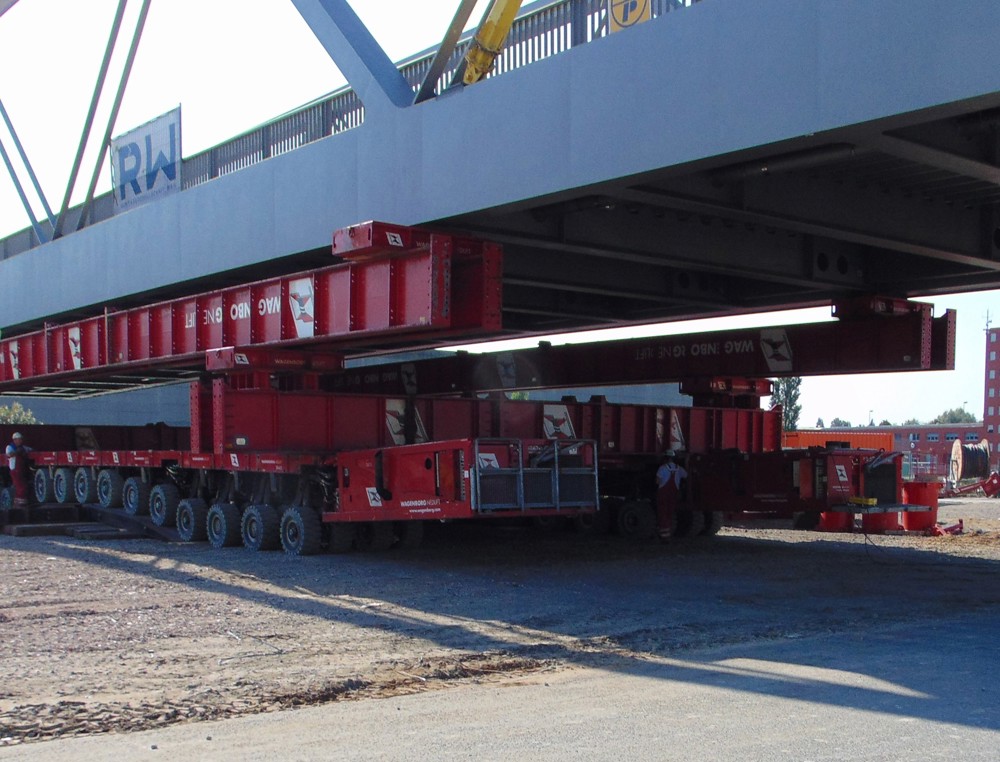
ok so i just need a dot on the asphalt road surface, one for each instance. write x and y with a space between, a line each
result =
760 644
883 693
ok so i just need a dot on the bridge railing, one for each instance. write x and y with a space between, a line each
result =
543 29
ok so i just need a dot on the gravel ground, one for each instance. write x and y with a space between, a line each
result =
129 635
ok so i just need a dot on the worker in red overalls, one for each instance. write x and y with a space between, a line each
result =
670 481
17 460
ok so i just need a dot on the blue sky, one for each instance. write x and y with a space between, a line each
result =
231 68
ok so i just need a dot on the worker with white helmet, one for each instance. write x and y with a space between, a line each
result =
670 481
17 461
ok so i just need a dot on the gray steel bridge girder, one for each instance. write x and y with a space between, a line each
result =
812 232
861 237
669 264
868 212
735 252
611 119
558 289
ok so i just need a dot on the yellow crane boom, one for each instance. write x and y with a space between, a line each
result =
488 42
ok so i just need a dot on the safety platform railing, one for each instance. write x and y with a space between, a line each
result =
561 475
543 29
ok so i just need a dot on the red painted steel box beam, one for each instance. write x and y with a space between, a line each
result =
438 287
861 341
242 420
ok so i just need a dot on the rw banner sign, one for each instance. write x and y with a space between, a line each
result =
146 162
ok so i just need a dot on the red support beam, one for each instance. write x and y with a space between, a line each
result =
244 359
429 286
862 340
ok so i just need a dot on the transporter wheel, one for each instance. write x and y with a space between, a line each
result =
44 493
340 537
192 516
636 520
163 500
261 528
6 498
374 536
697 523
135 496
549 523
62 485
808 520
85 485
301 531
110 486
223 525
409 534
713 522
688 523
598 522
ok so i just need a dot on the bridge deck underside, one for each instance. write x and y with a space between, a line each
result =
907 212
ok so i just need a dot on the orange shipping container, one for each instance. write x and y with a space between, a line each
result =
863 440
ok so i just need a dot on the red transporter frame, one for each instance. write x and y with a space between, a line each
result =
790 482
227 418
463 479
361 459
275 440
455 479
421 457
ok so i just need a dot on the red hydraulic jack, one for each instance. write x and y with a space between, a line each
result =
937 531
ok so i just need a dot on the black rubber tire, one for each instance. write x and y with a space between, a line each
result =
807 520
697 523
43 486
135 496
584 523
163 501
374 536
340 537
85 486
192 517
635 520
598 522
223 525
688 523
713 523
62 485
261 528
7 498
549 523
680 524
409 534
110 485
301 531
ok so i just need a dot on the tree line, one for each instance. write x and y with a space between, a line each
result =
787 392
